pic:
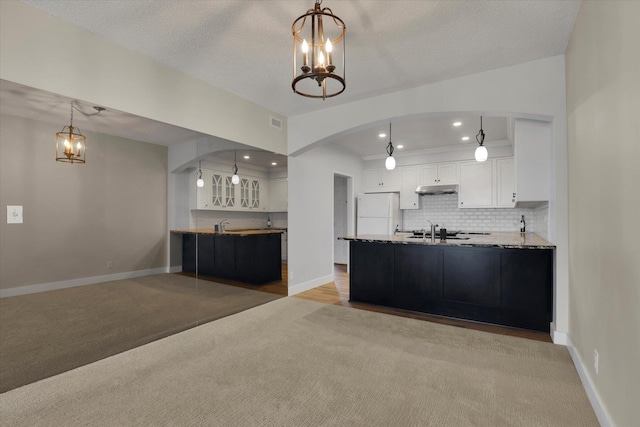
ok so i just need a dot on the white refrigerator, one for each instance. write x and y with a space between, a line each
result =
378 213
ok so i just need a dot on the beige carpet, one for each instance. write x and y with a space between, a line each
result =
47 333
293 362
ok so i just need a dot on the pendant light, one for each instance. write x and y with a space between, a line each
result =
199 181
319 33
71 144
235 179
390 162
481 150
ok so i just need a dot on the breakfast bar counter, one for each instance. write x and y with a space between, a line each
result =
249 255
499 278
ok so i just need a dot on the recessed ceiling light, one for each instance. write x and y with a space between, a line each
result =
247 157
274 164
382 135
457 124
465 138
400 146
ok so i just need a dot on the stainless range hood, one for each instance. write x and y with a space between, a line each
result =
434 190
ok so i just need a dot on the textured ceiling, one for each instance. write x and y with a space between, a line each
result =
245 47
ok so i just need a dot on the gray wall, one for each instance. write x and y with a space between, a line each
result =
603 108
77 218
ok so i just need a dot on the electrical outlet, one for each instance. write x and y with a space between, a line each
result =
109 265
291 275
596 360
14 214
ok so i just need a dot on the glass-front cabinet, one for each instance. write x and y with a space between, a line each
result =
250 194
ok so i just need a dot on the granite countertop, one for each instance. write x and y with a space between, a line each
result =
233 231
497 239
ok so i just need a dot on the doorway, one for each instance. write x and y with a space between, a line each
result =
341 208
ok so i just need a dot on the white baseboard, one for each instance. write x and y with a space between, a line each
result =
301 287
175 269
558 337
594 398
52 286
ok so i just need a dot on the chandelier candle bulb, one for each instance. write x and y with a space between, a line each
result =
305 53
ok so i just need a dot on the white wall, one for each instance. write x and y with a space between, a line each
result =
311 213
79 218
603 110
531 90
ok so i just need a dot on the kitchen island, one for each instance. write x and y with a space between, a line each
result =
500 278
245 255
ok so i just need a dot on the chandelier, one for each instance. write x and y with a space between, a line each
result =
71 144
314 47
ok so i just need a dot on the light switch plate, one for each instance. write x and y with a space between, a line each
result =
14 214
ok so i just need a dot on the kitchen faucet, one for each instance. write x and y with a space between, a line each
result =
433 231
221 225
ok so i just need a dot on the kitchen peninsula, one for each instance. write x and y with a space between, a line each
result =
500 278
245 255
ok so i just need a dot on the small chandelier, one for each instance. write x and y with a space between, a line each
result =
481 150
319 77
390 162
71 145
235 179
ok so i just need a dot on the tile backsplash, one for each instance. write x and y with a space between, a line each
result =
443 210
208 219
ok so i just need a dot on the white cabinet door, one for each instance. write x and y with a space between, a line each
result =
408 184
381 180
428 175
203 194
278 195
532 154
476 184
263 201
447 173
505 183
439 173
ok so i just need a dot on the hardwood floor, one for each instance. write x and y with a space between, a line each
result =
337 293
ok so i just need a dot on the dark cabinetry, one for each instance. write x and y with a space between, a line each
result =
246 258
511 287
371 272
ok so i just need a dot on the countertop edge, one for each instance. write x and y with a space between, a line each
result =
493 240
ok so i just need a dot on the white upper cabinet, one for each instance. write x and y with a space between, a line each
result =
505 183
408 184
476 184
439 174
278 201
254 194
219 193
381 180
532 154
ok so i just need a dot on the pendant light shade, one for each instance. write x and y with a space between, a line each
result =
390 162
481 151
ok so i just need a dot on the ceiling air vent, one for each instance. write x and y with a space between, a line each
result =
276 123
